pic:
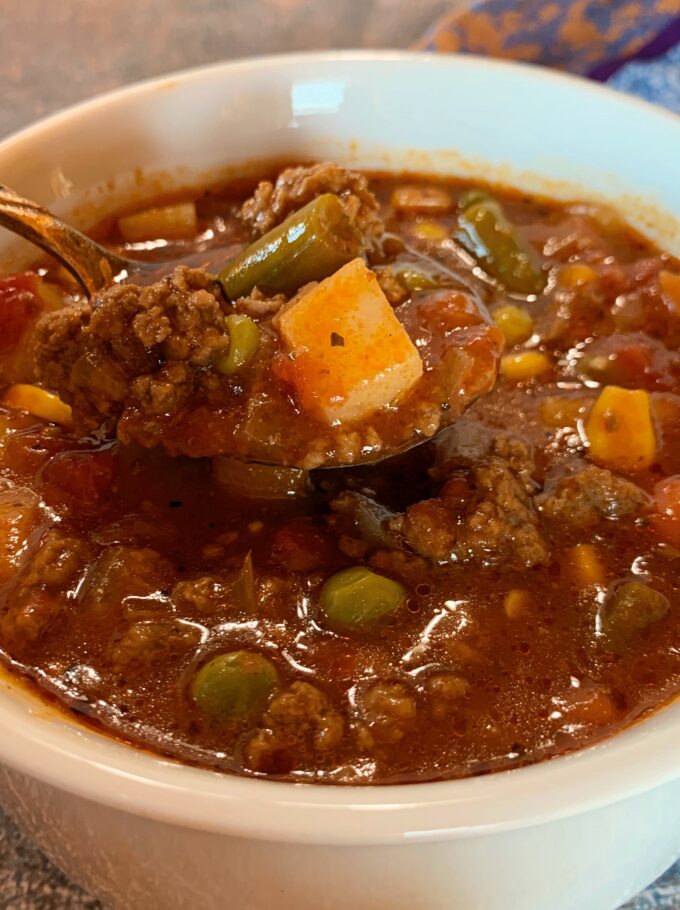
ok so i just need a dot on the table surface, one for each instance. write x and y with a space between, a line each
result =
53 54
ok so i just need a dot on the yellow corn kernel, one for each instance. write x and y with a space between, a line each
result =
167 221
429 230
557 412
517 603
39 402
525 365
620 431
670 288
577 275
514 322
586 565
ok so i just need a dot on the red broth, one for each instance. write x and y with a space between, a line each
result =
509 590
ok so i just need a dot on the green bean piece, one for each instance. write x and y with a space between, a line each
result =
472 197
244 338
356 599
243 587
234 686
415 280
631 607
485 232
309 245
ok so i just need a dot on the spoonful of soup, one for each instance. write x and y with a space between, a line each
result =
322 342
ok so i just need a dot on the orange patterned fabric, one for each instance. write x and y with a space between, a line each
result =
570 34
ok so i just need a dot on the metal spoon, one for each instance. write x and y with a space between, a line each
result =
96 268
91 264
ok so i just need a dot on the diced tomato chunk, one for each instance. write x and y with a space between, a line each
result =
666 519
84 478
20 305
300 546
632 361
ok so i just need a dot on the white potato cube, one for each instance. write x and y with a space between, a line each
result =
349 354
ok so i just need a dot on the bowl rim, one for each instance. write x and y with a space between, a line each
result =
100 769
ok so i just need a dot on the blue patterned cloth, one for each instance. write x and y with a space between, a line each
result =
662 895
656 80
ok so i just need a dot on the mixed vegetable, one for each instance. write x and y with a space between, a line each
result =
502 594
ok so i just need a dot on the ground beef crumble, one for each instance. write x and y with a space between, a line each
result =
38 600
498 523
146 644
146 348
56 562
391 285
258 304
271 203
591 495
484 513
299 724
388 712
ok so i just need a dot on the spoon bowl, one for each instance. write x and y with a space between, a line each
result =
94 266
97 268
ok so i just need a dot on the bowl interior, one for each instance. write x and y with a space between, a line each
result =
459 116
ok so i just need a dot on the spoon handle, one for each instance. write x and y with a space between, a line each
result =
93 266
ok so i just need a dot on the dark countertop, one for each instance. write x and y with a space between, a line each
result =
53 54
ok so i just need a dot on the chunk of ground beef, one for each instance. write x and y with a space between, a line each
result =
207 594
445 692
591 495
56 562
271 203
31 614
487 517
388 714
467 442
403 565
519 458
258 304
148 644
40 597
503 526
299 724
391 285
121 573
144 348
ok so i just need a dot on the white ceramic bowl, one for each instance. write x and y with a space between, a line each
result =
582 832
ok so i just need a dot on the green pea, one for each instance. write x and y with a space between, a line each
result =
244 338
630 608
234 686
356 599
